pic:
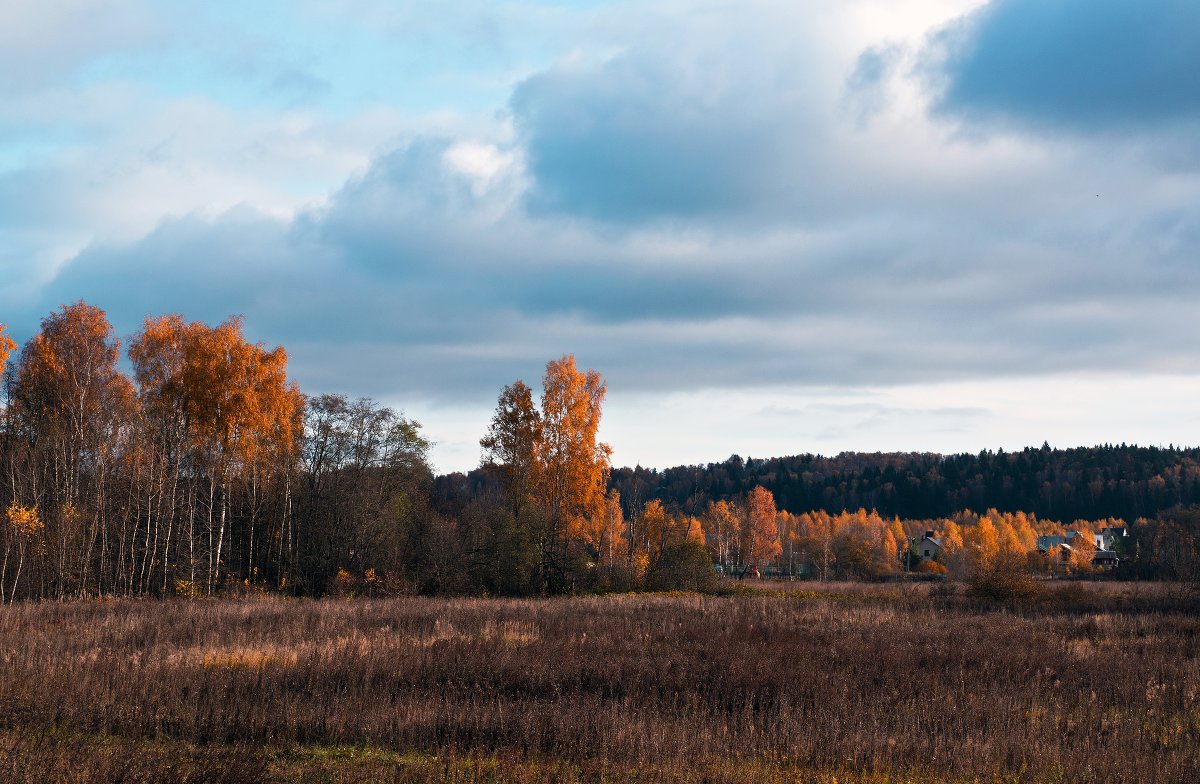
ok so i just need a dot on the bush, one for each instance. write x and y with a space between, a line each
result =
682 567
1004 584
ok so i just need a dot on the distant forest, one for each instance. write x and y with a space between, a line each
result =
1085 483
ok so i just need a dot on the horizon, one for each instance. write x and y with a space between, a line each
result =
941 455
848 226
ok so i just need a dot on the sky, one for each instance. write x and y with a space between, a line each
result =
774 227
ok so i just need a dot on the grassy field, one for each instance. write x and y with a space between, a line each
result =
853 683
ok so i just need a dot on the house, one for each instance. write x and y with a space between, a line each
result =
928 546
1063 551
1112 538
1097 539
1047 543
1103 558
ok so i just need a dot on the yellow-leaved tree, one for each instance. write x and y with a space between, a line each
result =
71 407
759 541
224 408
722 527
554 459
610 540
575 465
513 445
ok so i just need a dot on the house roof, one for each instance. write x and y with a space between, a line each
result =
1044 543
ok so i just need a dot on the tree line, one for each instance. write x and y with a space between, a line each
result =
1123 481
205 470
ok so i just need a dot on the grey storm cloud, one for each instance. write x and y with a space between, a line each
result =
1090 66
717 117
206 269
610 144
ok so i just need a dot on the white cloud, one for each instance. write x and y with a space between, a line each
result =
482 163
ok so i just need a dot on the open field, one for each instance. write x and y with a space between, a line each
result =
860 683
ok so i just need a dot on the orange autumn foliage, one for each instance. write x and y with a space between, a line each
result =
612 546
573 466
760 533
553 459
721 525
69 371
233 396
654 528
23 520
7 347
70 394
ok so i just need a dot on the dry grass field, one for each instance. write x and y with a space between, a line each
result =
851 683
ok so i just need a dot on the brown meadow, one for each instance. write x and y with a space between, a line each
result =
846 683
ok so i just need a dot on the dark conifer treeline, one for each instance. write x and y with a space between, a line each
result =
1088 483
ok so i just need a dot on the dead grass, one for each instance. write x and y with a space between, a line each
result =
871 684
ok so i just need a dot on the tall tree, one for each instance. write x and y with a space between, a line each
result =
722 526
554 460
759 541
574 464
221 409
73 406
610 539
159 354
365 467
513 446
654 528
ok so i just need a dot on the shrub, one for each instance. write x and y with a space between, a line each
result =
684 566
345 585
930 567
1005 580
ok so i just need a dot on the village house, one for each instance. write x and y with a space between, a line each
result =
1056 549
1105 546
928 546
1047 543
1111 537
1103 543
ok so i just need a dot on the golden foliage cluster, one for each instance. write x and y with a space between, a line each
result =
23 520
